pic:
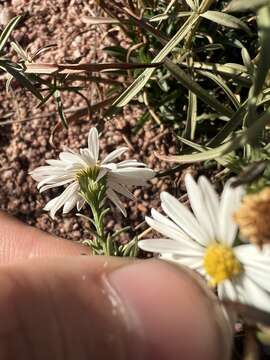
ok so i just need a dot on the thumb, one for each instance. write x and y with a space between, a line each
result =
107 308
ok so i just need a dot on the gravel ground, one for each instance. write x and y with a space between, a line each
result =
24 144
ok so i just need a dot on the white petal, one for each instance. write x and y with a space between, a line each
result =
71 158
211 200
56 163
87 157
197 202
56 184
93 143
124 180
114 154
250 255
80 203
175 234
131 173
102 172
230 201
117 202
130 163
227 290
164 220
256 264
168 246
253 294
70 203
55 204
259 277
191 262
183 218
121 190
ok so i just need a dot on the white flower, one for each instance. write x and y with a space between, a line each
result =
205 242
69 166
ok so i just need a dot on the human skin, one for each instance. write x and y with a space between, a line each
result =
57 304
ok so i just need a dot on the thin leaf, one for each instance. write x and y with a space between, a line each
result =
247 60
21 78
226 20
224 161
191 4
77 68
263 65
60 108
231 126
191 116
161 17
19 50
238 74
142 80
222 84
101 20
190 84
8 30
245 5
204 155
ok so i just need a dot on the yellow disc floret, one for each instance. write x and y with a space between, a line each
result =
221 263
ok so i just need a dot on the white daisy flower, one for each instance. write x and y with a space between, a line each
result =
205 242
66 171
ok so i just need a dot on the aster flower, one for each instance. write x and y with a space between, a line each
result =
205 242
71 166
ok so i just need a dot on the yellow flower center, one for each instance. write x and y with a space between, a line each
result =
221 263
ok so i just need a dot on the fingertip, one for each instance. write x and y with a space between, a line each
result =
20 242
174 316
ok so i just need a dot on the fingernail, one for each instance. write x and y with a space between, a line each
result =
167 315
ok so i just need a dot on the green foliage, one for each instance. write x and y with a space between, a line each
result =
213 88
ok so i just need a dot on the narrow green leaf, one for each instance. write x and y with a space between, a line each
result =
19 50
226 20
21 77
191 4
224 160
246 58
222 84
60 108
245 5
263 65
142 80
7 31
192 144
161 17
230 126
191 116
190 84
237 73
204 155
